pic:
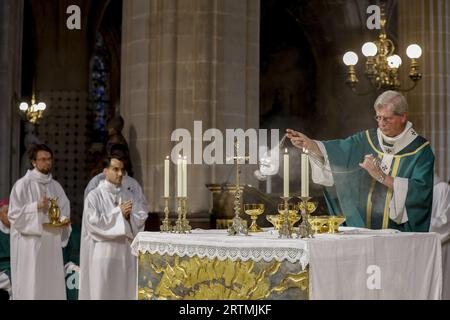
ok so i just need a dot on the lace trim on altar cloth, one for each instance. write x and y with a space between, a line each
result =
244 253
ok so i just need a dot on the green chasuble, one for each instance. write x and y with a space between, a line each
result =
364 201
5 264
71 253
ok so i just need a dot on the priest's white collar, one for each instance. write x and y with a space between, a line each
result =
110 187
38 176
398 143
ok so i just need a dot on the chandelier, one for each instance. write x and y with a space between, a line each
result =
382 65
32 112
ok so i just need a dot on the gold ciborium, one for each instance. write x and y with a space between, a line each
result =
54 212
254 210
54 215
335 222
292 209
278 219
310 207
326 224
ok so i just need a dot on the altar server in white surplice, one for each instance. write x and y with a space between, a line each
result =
112 217
37 267
440 223
128 182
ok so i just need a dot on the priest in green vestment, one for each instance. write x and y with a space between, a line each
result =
379 178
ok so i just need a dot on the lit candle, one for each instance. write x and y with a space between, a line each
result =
185 177
286 174
166 177
305 174
179 177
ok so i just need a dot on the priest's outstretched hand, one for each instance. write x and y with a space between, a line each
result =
126 208
301 141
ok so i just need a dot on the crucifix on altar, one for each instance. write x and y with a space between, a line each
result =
237 227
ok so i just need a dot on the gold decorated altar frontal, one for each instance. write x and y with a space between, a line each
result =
165 277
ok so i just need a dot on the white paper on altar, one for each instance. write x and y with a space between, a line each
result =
346 267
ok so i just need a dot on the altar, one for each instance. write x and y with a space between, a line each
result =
353 264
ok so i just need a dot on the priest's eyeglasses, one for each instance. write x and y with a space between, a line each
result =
44 159
384 119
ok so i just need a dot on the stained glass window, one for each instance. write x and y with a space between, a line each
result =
99 89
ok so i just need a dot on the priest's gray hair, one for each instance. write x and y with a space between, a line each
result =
394 98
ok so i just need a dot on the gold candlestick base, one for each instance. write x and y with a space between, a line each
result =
305 229
237 227
285 232
185 222
178 227
165 226
182 224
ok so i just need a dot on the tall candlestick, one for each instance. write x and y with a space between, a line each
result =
305 174
166 177
286 174
185 177
179 177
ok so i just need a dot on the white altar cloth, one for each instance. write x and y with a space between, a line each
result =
354 264
375 266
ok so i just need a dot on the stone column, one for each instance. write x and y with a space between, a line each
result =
427 23
182 61
11 19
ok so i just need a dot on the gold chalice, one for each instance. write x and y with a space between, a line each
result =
254 210
275 220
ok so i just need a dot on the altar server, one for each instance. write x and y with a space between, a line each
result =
128 182
112 217
440 223
37 268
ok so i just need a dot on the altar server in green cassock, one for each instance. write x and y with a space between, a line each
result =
5 264
379 178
